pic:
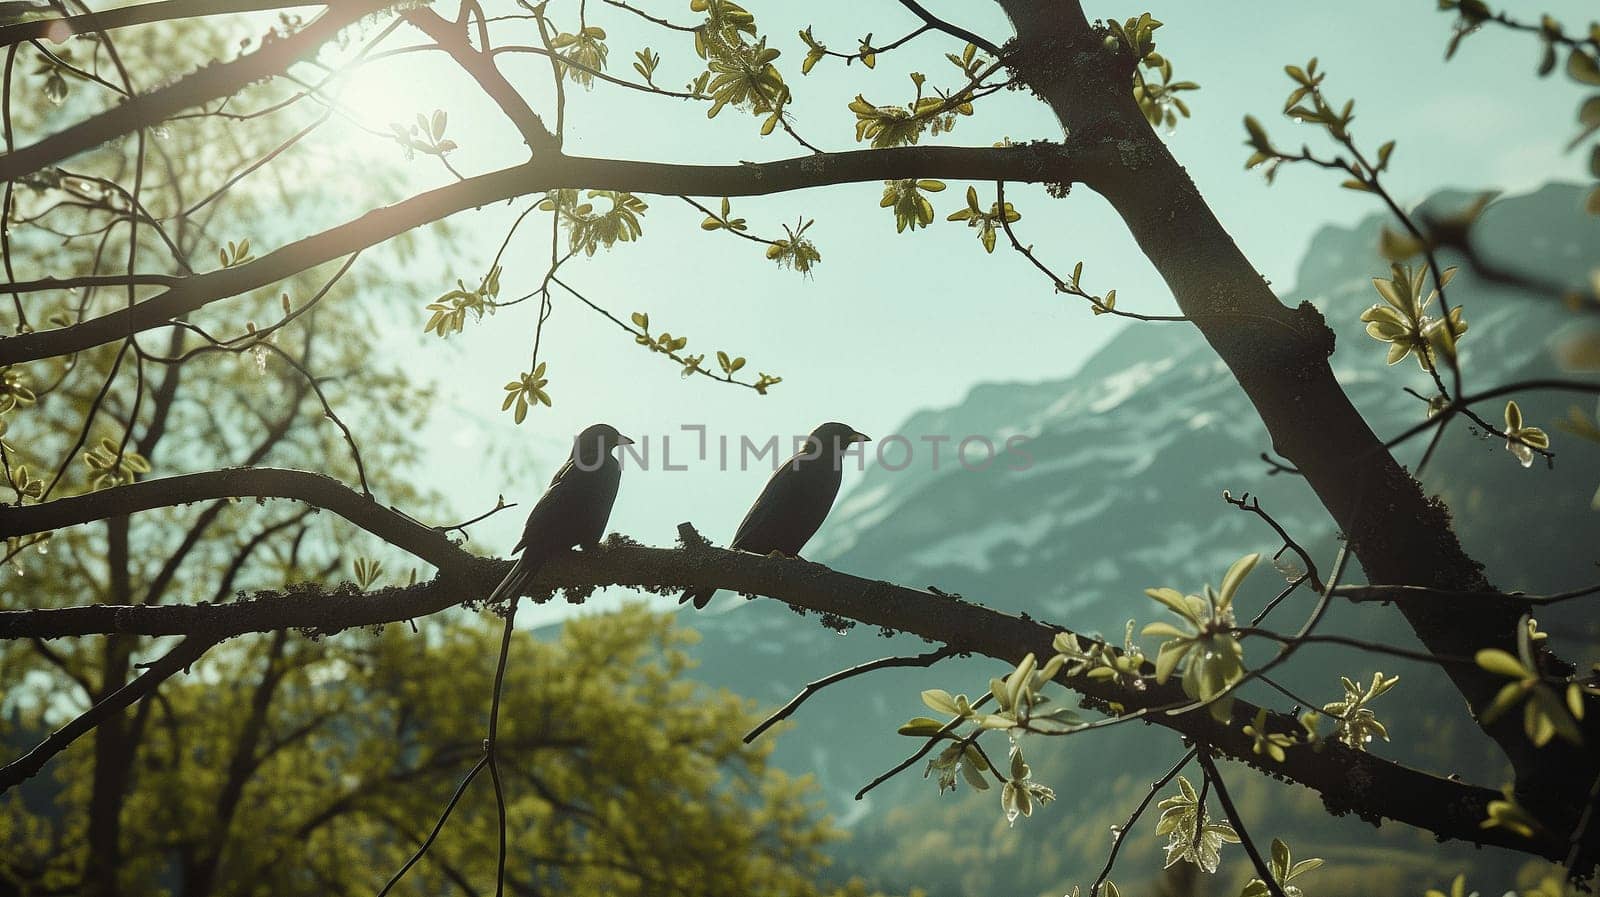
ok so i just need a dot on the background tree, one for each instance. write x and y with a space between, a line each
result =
314 767
1107 84
295 763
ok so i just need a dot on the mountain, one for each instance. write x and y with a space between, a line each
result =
1129 459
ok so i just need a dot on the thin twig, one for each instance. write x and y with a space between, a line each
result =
883 663
1253 505
1061 285
500 505
1582 829
927 746
489 742
1122 832
1212 776
1461 402
977 40
437 827
1362 593
650 18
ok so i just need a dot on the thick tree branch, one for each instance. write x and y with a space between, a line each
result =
207 84
93 281
1349 781
58 27
429 544
1033 163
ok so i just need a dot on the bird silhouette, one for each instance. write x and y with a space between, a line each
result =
573 511
795 501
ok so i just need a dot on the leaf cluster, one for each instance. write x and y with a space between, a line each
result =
1158 100
525 392
589 230
449 312
988 222
890 126
425 135
1545 714
911 208
584 53
1191 837
739 72
1404 321
1215 658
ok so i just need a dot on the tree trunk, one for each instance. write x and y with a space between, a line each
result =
113 755
1280 358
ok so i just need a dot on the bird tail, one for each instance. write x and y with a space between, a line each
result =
700 597
517 580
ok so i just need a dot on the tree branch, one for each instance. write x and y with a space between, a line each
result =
1279 357
480 65
1388 593
1122 831
1348 780
883 663
208 83
977 40
425 542
56 27
1274 887
1032 163
29 764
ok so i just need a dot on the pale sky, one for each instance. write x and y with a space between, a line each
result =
891 324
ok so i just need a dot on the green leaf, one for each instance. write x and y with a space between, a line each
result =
1305 866
941 700
921 726
1168 657
1280 858
1258 134
1163 629
1235 575
1172 599
1509 695
974 777
1583 68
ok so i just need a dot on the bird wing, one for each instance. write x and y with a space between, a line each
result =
766 509
557 501
790 509
562 473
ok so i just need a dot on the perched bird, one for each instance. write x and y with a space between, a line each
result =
573 511
795 501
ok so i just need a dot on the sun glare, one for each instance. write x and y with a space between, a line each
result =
376 95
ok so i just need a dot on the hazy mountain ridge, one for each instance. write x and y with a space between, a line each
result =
1131 455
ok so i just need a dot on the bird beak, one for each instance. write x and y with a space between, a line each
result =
623 440
860 437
